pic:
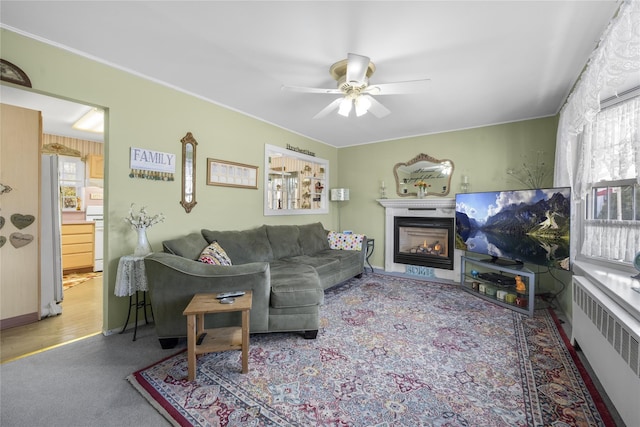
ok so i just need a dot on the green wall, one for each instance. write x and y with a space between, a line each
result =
148 115
482 154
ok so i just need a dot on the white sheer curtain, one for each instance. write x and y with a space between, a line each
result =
610 148
611 152
613 67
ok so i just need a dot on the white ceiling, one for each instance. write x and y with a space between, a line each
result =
489 62
58 115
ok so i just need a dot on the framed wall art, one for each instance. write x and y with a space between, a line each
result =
231 174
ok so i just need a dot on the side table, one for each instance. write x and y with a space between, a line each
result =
201 340
371 245
131 279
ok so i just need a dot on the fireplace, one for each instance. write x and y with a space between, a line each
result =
423 241
433 208
430 208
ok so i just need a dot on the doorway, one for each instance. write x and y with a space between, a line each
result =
82 305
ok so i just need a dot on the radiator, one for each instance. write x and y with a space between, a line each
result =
610 339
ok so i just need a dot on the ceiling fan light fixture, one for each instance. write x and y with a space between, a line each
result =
362 105
352 75
345 107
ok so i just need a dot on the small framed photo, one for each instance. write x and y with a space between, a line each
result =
231 174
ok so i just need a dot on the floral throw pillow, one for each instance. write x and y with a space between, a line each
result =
345 242
214 254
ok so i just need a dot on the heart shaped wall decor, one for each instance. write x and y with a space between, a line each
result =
1 222
3 240
22 221
19 240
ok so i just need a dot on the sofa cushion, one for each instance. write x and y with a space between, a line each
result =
294 285
242 246
347 259
284 240
189 246
214 254
322 264
313 238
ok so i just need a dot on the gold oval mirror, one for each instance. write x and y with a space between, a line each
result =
435 173
188 172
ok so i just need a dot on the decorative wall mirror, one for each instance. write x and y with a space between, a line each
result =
435 173
188 172
294 183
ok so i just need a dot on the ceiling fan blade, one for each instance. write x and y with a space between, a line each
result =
309 89
376 108
329 108
357 66
398 88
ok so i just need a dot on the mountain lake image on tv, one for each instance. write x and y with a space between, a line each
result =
519 226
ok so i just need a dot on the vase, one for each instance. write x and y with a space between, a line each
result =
143 248
421 193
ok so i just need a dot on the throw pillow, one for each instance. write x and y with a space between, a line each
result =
345 242
214 254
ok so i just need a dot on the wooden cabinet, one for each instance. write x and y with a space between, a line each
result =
96 166
77 246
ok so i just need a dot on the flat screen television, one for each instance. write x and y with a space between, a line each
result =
515 227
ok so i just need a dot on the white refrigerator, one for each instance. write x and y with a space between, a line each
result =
50 239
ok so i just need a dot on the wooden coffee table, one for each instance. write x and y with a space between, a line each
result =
216 339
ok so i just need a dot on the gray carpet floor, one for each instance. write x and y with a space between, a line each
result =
82 383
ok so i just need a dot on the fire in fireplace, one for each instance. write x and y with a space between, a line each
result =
424 241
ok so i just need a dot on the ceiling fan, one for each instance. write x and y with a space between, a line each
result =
352 75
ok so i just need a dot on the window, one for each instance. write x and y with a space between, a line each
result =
71 177
610 158
615 201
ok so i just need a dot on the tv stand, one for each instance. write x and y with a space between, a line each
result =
496 283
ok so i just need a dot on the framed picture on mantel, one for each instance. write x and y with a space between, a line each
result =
231 174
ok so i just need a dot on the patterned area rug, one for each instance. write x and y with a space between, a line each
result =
73 279
391 351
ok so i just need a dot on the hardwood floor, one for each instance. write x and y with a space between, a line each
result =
81 317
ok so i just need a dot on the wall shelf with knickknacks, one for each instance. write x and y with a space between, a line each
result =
295 183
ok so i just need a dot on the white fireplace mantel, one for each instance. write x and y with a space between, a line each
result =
439 203
424 208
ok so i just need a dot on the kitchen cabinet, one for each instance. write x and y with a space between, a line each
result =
77 246
96 166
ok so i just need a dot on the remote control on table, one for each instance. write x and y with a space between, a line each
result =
231 294
201 338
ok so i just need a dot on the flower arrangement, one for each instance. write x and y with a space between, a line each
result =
422 185
532 173
142 219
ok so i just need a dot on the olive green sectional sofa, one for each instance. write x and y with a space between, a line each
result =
287 267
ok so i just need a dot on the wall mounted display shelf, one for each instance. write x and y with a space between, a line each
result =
509 286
